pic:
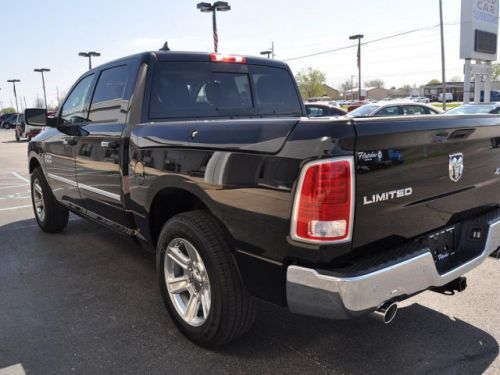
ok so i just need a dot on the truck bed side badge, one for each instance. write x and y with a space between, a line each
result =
456 166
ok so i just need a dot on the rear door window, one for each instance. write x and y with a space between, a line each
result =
415 110
108 94
389 111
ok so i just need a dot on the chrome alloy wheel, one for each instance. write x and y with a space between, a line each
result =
38 199
187 282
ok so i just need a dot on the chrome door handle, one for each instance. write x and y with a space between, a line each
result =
69 142
109 144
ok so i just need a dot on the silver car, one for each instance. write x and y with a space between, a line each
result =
393 108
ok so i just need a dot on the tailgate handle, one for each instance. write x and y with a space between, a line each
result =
109 144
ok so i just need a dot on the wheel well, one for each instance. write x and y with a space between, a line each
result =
33 164
166 204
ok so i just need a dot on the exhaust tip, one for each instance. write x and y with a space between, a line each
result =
386 313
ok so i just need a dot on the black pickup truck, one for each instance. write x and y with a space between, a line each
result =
209 160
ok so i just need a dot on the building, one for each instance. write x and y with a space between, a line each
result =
377 93
456 89
331 92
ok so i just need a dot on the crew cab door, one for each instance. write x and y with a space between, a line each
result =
99 149
59 152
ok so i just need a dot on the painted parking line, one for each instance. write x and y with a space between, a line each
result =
21 177
15 208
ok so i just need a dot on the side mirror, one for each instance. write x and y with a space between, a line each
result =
38 117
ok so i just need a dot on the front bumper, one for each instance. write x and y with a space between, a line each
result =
322 293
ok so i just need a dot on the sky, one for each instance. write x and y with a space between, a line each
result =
50 33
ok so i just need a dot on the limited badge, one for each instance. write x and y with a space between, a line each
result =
456 166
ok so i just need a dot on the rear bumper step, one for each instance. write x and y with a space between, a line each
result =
322 294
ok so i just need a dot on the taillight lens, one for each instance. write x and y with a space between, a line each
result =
323 205
235 59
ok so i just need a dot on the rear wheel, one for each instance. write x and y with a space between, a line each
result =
50 215
199 282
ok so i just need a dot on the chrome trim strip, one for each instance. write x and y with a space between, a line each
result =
311 293
62 179
105 193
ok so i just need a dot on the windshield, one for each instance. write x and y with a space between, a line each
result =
471 109
365 110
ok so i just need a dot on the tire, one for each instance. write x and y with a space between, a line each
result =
49 214
231 310
17 137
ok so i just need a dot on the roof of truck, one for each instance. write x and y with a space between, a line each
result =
162 55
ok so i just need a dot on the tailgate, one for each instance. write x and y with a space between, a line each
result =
417 174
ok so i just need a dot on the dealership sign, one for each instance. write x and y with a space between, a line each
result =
479 29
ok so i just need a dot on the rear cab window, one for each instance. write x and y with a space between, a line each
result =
206 90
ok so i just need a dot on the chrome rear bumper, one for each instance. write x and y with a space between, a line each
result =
316 293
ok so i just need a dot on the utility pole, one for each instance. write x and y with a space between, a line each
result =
443 70
42 70
13 81
358 37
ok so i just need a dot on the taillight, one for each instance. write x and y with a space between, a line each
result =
219 57
323 207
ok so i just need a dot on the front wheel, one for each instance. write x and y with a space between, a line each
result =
199 282
50 215
17 137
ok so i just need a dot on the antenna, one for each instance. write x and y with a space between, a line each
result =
165 47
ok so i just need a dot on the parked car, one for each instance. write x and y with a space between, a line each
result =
475 109
448 97
421 99
319 109
394 108
7 121
357 104
240 196
24 131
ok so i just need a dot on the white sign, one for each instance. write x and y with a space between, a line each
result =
479 29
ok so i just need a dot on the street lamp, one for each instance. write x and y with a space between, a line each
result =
15 93
42 70
269 52
358 37
220 6
89 55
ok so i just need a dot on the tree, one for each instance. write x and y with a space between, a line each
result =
377 83
39 103
8 110
310 82
434 81
456 79
345 86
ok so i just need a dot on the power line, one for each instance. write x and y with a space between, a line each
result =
369 41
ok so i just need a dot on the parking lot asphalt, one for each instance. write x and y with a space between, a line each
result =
86 302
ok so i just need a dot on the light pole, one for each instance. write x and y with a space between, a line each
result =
220 6
89 55
358 37
15 93
270 52
266 53
42 70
